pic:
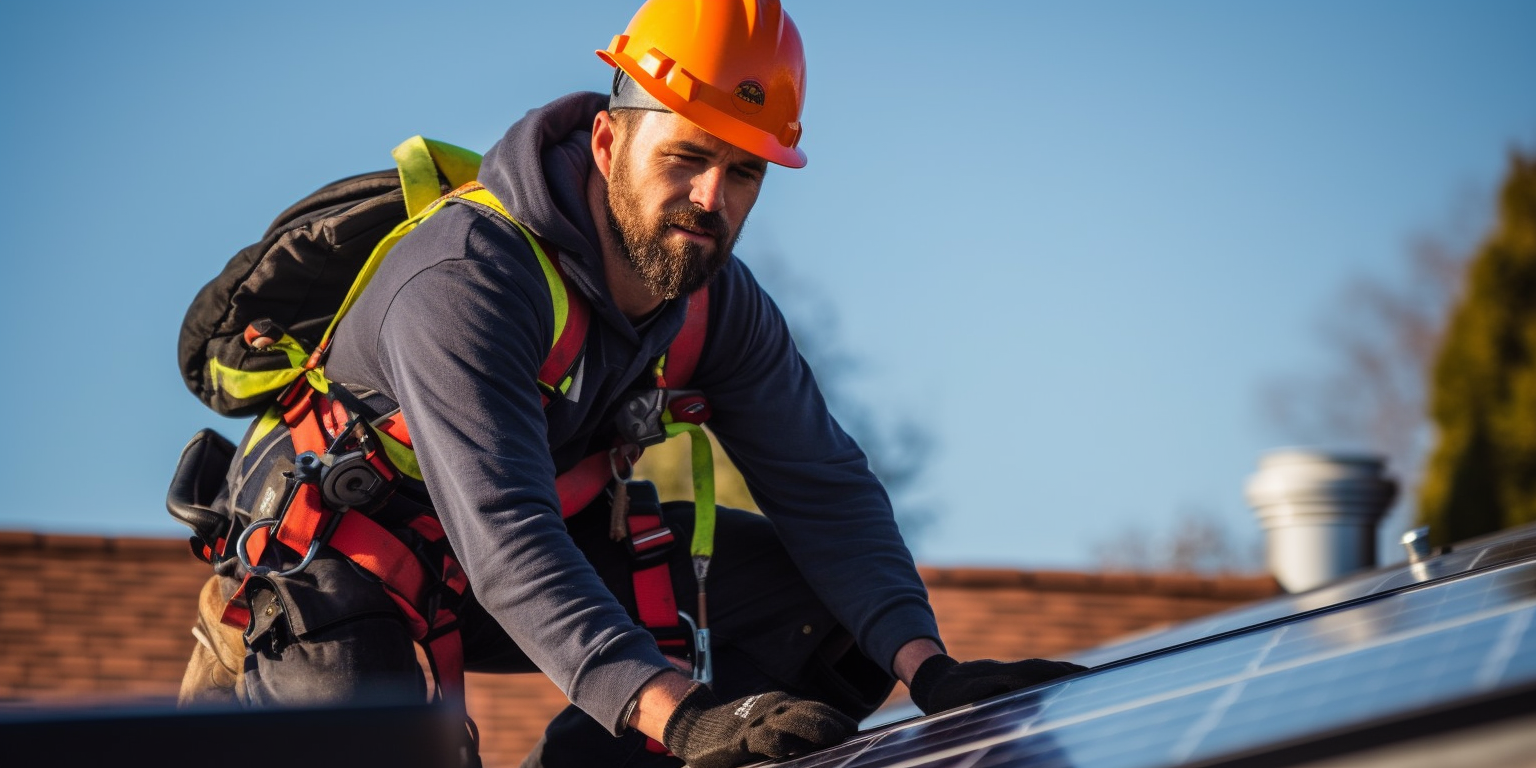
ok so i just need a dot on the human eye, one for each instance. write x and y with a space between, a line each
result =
683 156
748 173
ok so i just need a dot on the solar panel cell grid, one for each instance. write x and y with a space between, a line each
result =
1397 653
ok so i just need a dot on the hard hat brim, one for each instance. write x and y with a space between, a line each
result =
710 120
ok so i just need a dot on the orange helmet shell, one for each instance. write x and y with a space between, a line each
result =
735 68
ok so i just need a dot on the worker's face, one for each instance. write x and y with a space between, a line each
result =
678 198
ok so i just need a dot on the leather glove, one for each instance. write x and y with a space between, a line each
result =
768 726
942 683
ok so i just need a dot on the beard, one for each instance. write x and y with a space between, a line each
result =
668 268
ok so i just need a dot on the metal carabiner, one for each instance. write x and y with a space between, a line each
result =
262 570
703 661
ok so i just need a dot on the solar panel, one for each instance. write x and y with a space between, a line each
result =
1395 647
1475 554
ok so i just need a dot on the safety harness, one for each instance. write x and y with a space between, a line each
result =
348 462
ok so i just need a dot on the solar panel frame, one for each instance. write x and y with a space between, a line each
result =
1473 555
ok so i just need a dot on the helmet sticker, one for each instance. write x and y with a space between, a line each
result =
749 96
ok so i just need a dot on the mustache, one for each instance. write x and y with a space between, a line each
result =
698 220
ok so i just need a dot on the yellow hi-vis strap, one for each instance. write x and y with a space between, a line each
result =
420 160
246 384
703 544
481 196
401 456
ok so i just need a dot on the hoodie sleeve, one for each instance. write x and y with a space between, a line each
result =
806 473
466 382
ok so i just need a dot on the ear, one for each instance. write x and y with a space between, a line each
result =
602 142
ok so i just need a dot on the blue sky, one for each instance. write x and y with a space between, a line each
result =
1074 239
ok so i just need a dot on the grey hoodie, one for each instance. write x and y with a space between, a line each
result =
454 329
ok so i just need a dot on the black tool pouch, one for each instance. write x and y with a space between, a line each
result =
197 496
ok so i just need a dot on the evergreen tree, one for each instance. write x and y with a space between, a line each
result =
1482 474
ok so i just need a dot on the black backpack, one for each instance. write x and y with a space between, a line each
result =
256 326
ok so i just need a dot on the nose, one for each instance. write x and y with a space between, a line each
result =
709 189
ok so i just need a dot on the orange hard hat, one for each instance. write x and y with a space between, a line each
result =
734 68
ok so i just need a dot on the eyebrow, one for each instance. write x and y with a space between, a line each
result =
755 163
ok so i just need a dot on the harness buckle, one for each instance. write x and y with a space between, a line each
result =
688 406
639 419
642 419
650 548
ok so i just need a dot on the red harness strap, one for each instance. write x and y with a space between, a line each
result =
569 345
683 356
580 485
414 589
649 542
653 581
304 512
654 599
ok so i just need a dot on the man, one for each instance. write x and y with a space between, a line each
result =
639 197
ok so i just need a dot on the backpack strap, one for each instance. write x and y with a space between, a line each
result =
303 272
421 161
572 314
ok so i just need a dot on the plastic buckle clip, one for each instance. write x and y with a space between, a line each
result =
639 419
642 420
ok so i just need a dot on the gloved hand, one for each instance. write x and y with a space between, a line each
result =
768 726
942 683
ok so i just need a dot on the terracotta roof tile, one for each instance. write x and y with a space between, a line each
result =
17 540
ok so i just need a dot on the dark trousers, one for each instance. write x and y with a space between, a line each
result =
330 635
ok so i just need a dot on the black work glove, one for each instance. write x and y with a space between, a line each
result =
768 726
942 683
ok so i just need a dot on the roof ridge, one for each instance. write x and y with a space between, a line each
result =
1241 585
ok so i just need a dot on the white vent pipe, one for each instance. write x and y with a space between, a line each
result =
1319 510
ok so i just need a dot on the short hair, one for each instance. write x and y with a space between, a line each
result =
625 93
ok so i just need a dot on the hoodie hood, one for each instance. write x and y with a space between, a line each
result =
539 170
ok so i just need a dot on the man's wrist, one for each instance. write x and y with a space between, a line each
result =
655 702
912 655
